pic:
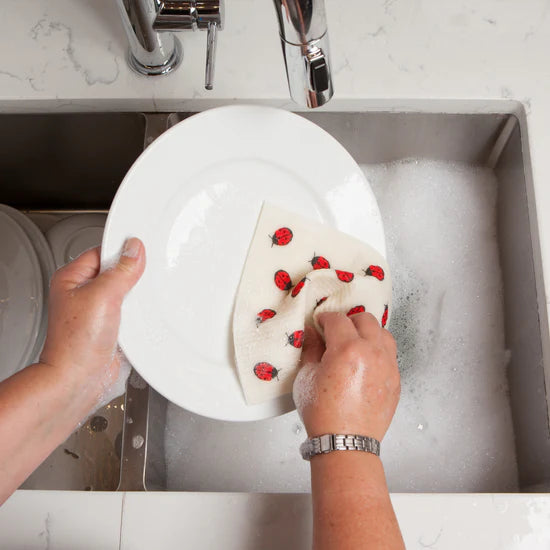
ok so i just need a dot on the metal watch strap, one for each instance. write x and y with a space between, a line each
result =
337 442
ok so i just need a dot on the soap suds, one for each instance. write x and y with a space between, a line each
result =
354 385
304 392
448 321
452 431
112 389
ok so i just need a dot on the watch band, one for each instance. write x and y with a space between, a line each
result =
337 442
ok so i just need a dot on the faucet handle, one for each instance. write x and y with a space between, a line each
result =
175 15
210 55
209 17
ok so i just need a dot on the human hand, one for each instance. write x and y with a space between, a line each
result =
352 385
84 318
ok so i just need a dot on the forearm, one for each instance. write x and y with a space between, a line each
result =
351 503
38 410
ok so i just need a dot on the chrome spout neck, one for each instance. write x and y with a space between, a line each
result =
304 39
150 26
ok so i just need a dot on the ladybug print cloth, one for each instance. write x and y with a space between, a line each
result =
357 309
375 271
296 269
282 280
296 339
265 371
319 262
281 237
264 315
296 290
344 276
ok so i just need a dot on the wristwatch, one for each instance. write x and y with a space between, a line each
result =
338 442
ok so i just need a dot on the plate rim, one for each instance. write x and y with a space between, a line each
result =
27 355
47 264
57 235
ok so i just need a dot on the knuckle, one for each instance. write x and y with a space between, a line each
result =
369 317
125 268
389 339
388 335
351 350
56 277
367 321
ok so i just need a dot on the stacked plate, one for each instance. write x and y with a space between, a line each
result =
26 267
27 263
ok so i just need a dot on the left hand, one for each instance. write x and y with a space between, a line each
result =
84 318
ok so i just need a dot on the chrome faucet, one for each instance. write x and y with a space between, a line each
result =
304 38
155 50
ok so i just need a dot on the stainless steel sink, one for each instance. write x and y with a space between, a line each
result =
76 162
207 455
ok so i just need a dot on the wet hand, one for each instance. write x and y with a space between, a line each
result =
349 383
84 318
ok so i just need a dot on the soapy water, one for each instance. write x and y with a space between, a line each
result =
210 455
304 392
452 431
453 427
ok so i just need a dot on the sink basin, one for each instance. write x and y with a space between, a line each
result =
197 454
96 150
65 164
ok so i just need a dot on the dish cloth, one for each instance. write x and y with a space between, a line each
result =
295 270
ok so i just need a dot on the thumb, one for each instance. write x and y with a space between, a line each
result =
127 271
314 347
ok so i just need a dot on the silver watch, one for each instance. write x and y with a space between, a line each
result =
337 442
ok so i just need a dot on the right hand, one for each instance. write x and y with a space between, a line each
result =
352 385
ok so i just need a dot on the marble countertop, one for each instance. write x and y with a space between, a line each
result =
52 520
419 55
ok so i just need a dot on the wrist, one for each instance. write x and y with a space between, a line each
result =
349 472
343 426
354 474
75 395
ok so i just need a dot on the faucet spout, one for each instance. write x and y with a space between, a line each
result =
304 39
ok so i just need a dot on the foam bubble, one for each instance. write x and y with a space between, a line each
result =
452 430
304 387
448 321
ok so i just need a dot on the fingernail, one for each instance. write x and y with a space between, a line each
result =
131 248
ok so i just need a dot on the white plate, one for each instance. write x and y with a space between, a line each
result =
71 236
21 296
47 268
194 197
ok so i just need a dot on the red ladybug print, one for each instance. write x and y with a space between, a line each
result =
375 271
281 237
266 371
318 262
344 276
320 301
385 316
264 315
282 280
298 287
355 310
296 339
